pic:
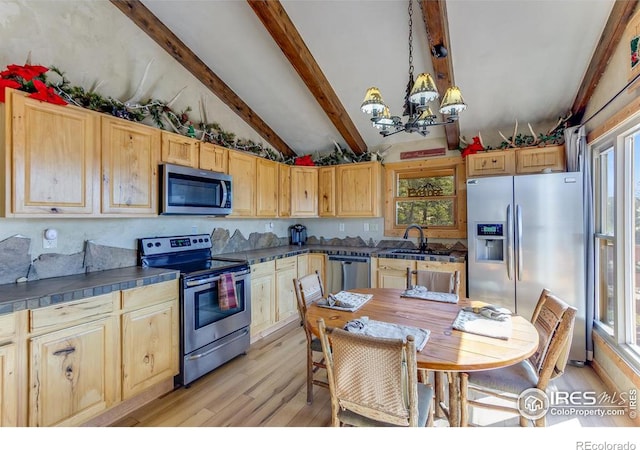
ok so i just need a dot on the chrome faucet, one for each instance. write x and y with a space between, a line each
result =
422 242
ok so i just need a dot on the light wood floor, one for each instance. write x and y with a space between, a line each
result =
266 388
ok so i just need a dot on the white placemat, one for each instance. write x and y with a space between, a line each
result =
422 293
345 301
375 328
475 322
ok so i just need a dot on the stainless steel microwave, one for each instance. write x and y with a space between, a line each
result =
185 190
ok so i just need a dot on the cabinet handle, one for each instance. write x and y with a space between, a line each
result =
64 351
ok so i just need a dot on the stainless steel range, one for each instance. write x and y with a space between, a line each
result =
213 329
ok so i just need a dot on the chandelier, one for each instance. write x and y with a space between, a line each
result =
418 95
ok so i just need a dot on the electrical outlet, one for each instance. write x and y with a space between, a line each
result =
366 226
374 227
267 227
49 243
194 229
341 226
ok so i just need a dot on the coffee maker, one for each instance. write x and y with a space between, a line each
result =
297 234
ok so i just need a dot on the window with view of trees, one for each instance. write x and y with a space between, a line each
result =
430 193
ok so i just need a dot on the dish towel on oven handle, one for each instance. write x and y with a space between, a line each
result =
227 292
375 328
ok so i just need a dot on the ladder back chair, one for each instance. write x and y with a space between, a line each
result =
554 319
373 381
448 282
308 289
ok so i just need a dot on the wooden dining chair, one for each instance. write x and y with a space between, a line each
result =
554 320
373 381
308 289
448 282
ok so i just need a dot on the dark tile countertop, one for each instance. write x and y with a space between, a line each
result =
48 291
268 254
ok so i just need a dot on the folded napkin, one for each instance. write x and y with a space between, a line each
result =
374 328
423 293
488 321
345 301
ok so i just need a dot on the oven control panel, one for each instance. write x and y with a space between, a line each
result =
174 244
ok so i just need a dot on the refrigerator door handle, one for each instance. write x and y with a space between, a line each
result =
519 241
509 242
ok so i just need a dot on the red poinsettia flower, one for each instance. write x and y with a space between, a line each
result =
7 84
27 72
46 94
304 161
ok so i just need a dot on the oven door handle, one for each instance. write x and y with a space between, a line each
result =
211 350
191 283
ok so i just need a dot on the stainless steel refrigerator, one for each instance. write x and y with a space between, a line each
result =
526 233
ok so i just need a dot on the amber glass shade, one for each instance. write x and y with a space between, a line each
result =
424 90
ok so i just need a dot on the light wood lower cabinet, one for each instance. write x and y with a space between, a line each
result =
8 386
73 373
317 263
392 272
263 295
149 347
286 271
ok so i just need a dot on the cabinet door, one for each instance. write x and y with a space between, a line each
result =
316 262
8 386
242 168
358 191
326 191
213 157
263 296
284 199
266 188
178 149
491 163
537 159
304 192
303 265
150 347
55 155
73 373
130 158
392 273
287 304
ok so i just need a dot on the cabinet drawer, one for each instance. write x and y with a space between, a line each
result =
492 163
7 326
395 264
286 263
66 314
265 268
151 294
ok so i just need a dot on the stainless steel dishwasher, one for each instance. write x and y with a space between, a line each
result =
348 272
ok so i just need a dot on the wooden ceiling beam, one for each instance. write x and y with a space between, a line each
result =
277 22
160 33
434 15
621 12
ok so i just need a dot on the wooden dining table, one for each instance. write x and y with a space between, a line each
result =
447 350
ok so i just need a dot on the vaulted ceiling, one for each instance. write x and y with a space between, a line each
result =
297 70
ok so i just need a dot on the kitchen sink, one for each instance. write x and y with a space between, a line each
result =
409 251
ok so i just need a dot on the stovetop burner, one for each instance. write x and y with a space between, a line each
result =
190 254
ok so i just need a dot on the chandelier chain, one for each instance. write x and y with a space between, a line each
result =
429 39
411 38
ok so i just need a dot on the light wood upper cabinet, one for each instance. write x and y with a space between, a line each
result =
266 188
242 167
73 373
327 191
213 157
304 191
537 159
284 199
516 161
52 156
178 149
130 158
358 190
